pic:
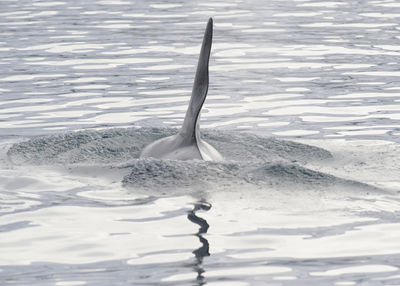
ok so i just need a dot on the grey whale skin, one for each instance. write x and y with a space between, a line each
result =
187 144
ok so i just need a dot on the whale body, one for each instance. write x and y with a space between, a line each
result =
187 144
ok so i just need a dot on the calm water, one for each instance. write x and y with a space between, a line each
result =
325 73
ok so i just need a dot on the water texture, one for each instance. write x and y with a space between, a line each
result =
303 104
250 160
286 68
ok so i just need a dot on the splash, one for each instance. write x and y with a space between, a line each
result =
252 161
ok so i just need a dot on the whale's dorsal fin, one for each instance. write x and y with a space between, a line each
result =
187 144
190 127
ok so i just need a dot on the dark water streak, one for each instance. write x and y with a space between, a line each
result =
202 251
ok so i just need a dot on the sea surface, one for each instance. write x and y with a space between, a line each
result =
303 103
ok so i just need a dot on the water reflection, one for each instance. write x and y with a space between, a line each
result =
203 250
332 73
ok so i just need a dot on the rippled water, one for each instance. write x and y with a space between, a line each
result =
81 209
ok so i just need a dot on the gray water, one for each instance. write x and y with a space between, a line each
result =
303 104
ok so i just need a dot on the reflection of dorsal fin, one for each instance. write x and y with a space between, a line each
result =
190 127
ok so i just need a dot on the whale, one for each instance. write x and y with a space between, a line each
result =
187 144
